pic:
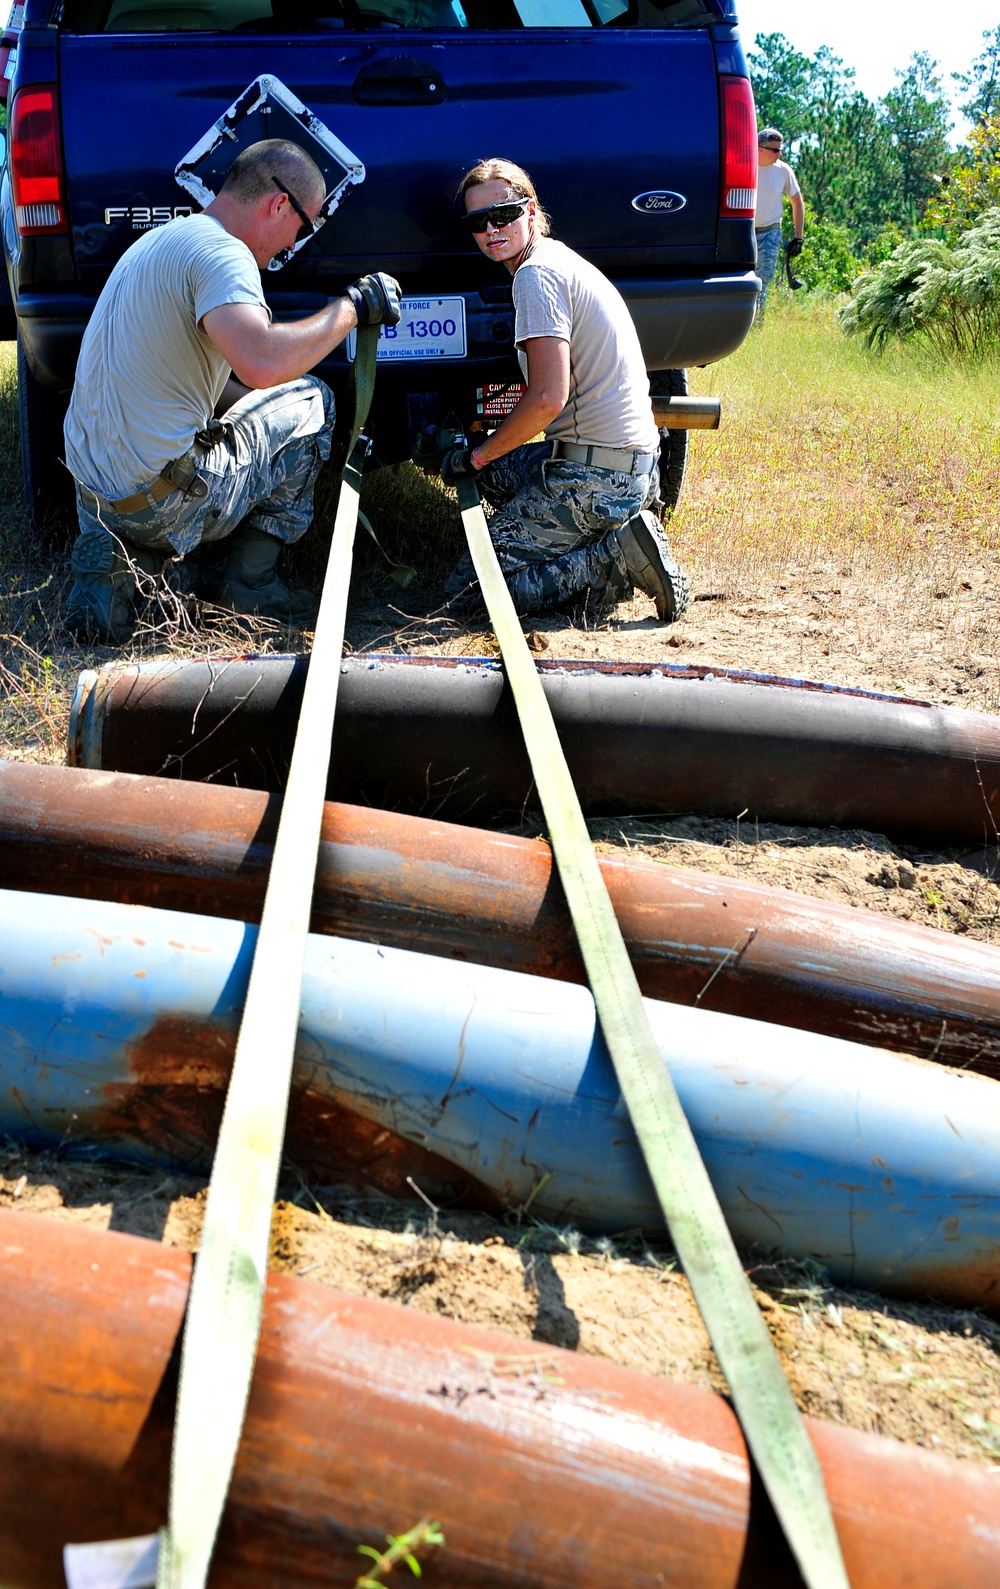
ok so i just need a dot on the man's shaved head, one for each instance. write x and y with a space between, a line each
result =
251 175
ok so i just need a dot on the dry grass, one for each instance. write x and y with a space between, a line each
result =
883 472
847 512
829 450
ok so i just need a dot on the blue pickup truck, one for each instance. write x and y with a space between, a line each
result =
634 117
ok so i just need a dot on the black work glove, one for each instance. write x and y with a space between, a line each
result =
457 465
794 248
376 299
427 449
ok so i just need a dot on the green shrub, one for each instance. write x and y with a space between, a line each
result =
972 189
884 244
827 262
948 298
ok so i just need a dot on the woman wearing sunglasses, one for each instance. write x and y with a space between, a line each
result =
572 524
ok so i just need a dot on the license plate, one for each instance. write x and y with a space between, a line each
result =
429 328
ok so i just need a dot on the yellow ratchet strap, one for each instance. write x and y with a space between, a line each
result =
771 1422
230 1272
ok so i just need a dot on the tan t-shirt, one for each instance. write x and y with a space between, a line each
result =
773 183
559 294
148 377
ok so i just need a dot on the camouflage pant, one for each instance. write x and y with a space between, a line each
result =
554 530
262 474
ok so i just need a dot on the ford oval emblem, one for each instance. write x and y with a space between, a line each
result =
659 203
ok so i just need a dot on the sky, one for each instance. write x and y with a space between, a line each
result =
876 38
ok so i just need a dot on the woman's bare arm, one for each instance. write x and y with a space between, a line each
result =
547 396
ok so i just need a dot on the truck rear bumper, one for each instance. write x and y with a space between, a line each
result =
51 330
684 322
681 321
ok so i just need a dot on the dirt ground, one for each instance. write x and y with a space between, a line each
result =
912 1371
923 625
824 621
954 893
908 606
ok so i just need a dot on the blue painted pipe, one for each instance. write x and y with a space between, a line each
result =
881 1167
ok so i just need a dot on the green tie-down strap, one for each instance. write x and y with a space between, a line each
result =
230 1272
771 1422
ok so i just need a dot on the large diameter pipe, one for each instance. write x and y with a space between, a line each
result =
117 1026
440 737
545 1468
467 894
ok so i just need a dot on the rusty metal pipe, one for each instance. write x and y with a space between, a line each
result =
543 1466
473 895
687 413
439 737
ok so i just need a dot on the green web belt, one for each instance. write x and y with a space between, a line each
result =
771 1423
227 1290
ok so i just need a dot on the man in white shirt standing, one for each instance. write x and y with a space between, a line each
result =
775 182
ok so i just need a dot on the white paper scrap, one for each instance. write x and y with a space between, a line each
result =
113 1563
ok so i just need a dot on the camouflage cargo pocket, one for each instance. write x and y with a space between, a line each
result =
614 510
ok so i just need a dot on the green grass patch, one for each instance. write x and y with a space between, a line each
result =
826 448
882 468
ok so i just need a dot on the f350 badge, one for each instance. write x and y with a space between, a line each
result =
659 202
141 216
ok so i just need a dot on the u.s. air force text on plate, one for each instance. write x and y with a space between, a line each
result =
429 328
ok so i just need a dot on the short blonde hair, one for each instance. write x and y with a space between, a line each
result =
516 178
255 170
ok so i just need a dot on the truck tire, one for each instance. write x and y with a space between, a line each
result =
47 484
673 443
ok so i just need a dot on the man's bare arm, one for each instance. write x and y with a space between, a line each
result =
547 396
262 352
231 393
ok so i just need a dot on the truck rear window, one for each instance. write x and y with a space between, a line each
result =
298 16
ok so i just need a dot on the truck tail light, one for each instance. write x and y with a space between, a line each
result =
739 148
36 168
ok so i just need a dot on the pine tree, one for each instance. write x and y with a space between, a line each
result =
782 85
981 83
916 116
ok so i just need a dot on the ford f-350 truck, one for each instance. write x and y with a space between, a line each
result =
634 117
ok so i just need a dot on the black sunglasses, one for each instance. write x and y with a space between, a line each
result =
308 226
499 214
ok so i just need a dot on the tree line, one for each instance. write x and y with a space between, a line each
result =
875 169
906 225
